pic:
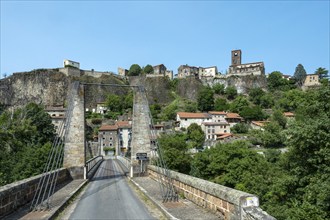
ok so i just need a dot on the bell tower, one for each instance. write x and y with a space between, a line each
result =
236 57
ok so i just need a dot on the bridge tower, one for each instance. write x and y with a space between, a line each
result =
141 139
74 148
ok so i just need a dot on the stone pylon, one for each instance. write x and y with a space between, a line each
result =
74 149
140 127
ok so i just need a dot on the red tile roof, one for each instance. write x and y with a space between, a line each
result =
223 135
217 113
260 123
193 115
108 128
123 124
233 115
288 114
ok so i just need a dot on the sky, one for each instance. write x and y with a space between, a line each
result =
105 35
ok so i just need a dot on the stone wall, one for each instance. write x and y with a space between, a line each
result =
226 202
17 194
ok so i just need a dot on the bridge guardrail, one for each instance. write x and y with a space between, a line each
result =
125 161
91 164
227 202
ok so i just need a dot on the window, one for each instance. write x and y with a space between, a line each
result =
110 144
208 130
110 138
213 131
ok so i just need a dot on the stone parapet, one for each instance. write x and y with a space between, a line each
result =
17 194
227 202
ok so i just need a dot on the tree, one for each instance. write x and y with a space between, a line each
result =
219 89
279 118
239 103
195 136
275 81
255 95
205 100
221 104
322 72
231 92
174 150
300 74
25 136
135 70
240 128
114 103
148 69
252 113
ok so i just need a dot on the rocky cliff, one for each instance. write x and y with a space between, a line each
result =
50 87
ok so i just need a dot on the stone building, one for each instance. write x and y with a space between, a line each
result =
159 69
187 71
116 136
122 71
311 80
237 68
57 113
208 71
108 138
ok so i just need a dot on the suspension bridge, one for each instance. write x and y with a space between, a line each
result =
107 194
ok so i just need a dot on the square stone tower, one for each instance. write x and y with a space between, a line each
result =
236 57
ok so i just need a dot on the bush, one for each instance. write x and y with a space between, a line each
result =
96 121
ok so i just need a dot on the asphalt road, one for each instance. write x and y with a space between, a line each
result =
108 196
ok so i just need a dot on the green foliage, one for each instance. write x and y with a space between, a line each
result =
195 136
278 117
135 70
169 112
322 72
221 104
205 100
96 121
175 154
231 92
239 103
255 95
240 128
148 69
275 81
253 113
300 74
114 103
25 136
219 89
233 165
190 106
267 101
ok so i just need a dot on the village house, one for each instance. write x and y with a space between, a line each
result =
122 71
233 118
237 68
116 136
218 116
311 80
208 71
185 119
57 114
213 129
258 125
187 71
161 71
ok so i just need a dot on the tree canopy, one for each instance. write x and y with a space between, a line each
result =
148 69
135 70
300 74
205 100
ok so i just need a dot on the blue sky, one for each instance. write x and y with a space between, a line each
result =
105 35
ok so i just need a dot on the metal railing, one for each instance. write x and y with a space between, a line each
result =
91 163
